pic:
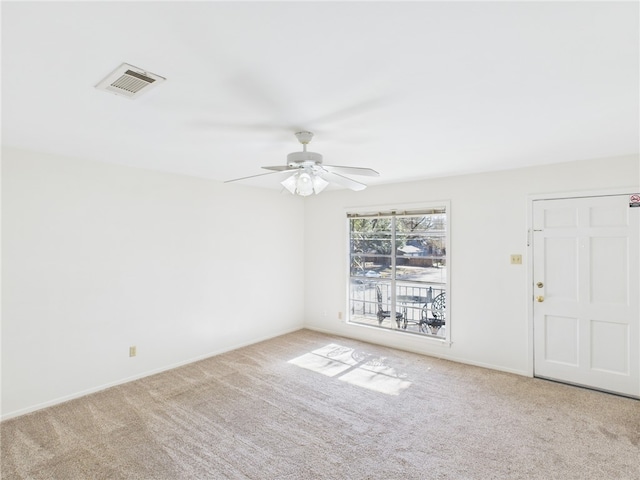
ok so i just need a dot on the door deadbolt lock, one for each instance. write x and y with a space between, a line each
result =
539 284
540 299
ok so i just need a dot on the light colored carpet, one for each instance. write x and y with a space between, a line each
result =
312 406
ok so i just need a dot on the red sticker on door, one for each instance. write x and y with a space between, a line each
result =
634 200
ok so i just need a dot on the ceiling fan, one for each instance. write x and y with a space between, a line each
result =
310 175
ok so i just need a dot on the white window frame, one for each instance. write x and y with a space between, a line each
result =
402 209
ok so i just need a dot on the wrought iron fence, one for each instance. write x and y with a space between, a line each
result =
414 301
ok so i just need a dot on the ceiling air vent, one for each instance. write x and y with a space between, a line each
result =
129 81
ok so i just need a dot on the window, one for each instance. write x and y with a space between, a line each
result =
398 271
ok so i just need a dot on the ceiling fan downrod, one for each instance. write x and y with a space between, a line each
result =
304 158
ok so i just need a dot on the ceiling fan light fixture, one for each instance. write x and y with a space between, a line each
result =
319 184
304 183
290 183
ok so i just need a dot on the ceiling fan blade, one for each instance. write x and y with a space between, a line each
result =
281 168
259 175
369 172
251 127
341 180
351 111
265 93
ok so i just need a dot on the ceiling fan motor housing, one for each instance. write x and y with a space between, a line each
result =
296 159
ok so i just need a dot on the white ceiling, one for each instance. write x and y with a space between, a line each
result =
413 89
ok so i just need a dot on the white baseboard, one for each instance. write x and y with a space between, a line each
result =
443 356
66 398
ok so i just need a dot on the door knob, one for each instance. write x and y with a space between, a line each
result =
539 285
540 299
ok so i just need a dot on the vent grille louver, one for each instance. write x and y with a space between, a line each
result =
132 82
129 81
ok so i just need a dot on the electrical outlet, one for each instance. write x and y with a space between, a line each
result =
516 259
339 315
132 351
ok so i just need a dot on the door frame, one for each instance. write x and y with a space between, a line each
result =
530 294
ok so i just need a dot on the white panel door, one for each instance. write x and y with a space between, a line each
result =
586 315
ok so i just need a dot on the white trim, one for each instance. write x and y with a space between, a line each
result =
394 206
82 393
584 193
406 348
554 196
400 334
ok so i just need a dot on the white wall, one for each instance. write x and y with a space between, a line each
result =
488 305
98 257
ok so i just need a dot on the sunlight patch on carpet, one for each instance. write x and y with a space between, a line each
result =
355 367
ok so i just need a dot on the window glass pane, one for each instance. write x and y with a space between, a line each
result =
370 247
398 268
421 248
